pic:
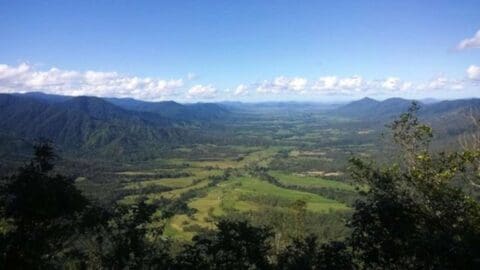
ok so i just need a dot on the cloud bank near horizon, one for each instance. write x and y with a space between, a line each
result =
24 78
27 78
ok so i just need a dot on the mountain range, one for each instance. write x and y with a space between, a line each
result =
91 125
129 128
371 109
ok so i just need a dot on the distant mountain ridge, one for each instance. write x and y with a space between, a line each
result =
168 109
48 98
95 126
172 109
129 128
368 108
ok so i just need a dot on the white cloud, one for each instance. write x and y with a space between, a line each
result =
297 84
282 83
473 73
441 83
25 78
8 72
354 82
241 90
326 83
470 43
339 85
202 91
357 86
437 83
395 84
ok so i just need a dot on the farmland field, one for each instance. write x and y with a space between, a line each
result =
271 168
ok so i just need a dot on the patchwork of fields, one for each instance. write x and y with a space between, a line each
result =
214 189
285 171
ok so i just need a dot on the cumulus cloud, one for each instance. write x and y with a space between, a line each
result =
395 84
473 73
281 83
438 83
24 78
441 83
202 92
470 43
8 72
356 85
354 82
241 90
326 83
297 84
339 85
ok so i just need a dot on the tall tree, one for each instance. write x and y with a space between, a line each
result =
41 208
411 216
236 245
308 254
126 242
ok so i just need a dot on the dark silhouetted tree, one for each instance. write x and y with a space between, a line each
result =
126 242
308 254
411 216
235 245
42 209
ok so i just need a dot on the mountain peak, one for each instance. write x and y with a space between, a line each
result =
94 107
368 107
367 99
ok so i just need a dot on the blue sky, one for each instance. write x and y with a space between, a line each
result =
241 50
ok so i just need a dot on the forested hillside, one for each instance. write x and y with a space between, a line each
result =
131 130
93 126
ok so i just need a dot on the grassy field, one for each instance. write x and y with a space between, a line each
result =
290 179
214 195
315 203
244 194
